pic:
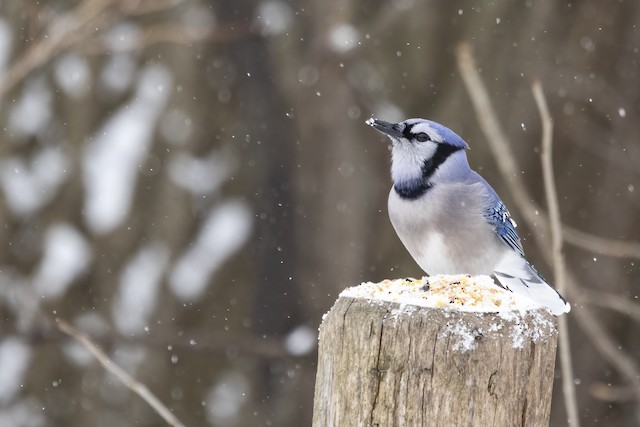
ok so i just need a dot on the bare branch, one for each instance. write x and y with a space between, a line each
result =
172 34
610 393
506 164
131 383
611 301
78 26
63 33
602 341
568 386
501 150
498 142
551 194
601 245
142 7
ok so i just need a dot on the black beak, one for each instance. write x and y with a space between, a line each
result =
394 130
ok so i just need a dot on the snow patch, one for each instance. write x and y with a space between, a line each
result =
223 233
401 310
30 186
112 159
66 255
72 74
300 341
139 284
31 114
225 399
274 17
532 326
343 38
201 176
122 37
464 339
15 356
117 73
24 413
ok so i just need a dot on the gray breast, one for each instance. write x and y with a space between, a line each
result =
445 231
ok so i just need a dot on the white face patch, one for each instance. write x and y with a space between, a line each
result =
408 159
410 155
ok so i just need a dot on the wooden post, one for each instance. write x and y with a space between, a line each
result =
385 364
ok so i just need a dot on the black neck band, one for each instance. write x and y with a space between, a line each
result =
415 188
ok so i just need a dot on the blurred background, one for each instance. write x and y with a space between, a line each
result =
191 183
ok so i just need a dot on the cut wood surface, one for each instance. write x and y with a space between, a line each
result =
386 364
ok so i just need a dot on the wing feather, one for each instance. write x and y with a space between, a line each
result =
500 218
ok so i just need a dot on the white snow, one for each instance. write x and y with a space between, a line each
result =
343 38
465 338
30 186
66 254
223 233
201 176
300 341
113 157
17 296
32 112
72 74
123 36
521 332
226 397
516 314
117 74
14 360
139 284
274 17
25 412
455 292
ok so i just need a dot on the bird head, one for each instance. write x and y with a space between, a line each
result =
419 147
425 135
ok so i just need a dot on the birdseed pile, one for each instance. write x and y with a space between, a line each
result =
455 292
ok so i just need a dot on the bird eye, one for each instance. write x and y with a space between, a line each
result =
422 137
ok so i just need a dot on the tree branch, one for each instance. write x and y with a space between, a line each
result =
612 302
131 383
559 266
501 150
505 160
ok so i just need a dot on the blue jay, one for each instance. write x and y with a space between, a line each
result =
449 218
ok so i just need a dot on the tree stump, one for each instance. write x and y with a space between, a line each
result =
387 364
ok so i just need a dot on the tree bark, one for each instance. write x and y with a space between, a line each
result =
386 364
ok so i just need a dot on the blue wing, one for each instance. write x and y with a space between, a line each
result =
505 227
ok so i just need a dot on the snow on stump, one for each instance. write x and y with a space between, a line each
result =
462 353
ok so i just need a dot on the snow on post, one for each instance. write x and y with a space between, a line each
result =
443 350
